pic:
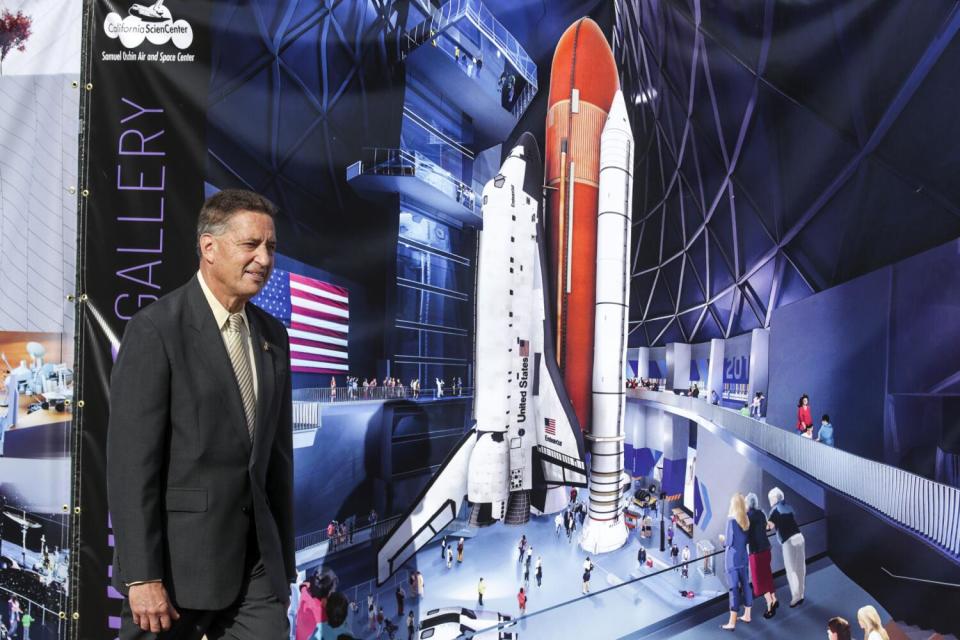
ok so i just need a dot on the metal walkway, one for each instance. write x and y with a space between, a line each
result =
929 509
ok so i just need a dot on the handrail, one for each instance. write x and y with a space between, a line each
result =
929 508
356 593
20 596
325 395
593 594
409 162
484 21
923 580
355 537
306 402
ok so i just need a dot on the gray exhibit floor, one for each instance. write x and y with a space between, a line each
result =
492 554
617 610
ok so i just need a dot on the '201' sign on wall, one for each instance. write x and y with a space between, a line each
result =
736 370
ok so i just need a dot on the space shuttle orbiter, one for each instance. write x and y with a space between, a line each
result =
526 439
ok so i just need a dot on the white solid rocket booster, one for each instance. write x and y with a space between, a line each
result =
605 529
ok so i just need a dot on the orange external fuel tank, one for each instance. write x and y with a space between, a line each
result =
583 81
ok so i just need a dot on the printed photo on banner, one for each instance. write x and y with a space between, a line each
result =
39 82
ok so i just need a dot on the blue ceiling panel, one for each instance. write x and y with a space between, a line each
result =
753 237
721 266
733 90
692 288
723 308
922 142
689 322
792 286
721 228
747 318
673 333
761 283
710 328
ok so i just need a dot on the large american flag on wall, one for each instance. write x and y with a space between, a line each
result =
316 315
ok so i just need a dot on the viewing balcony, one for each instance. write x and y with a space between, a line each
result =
928 509
414 175
476 63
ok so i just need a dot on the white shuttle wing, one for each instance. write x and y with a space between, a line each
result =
435 508
559 441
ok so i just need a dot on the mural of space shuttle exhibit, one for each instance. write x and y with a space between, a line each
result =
551 282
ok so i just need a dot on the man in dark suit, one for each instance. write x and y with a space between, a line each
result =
199 448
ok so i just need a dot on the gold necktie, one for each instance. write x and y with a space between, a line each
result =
237 349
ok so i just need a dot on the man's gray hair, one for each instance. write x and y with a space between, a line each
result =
216 212
753 502
775 496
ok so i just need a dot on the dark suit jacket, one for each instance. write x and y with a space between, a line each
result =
185 485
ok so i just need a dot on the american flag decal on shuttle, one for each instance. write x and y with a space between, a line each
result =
551 426
524 349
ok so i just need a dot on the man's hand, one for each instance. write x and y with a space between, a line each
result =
151 607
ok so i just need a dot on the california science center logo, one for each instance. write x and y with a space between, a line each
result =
151 22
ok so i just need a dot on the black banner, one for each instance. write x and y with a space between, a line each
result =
142 167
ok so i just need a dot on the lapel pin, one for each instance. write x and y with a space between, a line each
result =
266 345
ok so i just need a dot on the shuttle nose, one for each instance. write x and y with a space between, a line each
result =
533 172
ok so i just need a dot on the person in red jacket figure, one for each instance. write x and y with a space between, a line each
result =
522 601
804 417
312 609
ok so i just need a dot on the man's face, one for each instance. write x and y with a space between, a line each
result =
241 258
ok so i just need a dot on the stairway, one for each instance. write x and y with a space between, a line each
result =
518 508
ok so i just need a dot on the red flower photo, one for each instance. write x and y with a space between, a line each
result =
14 32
